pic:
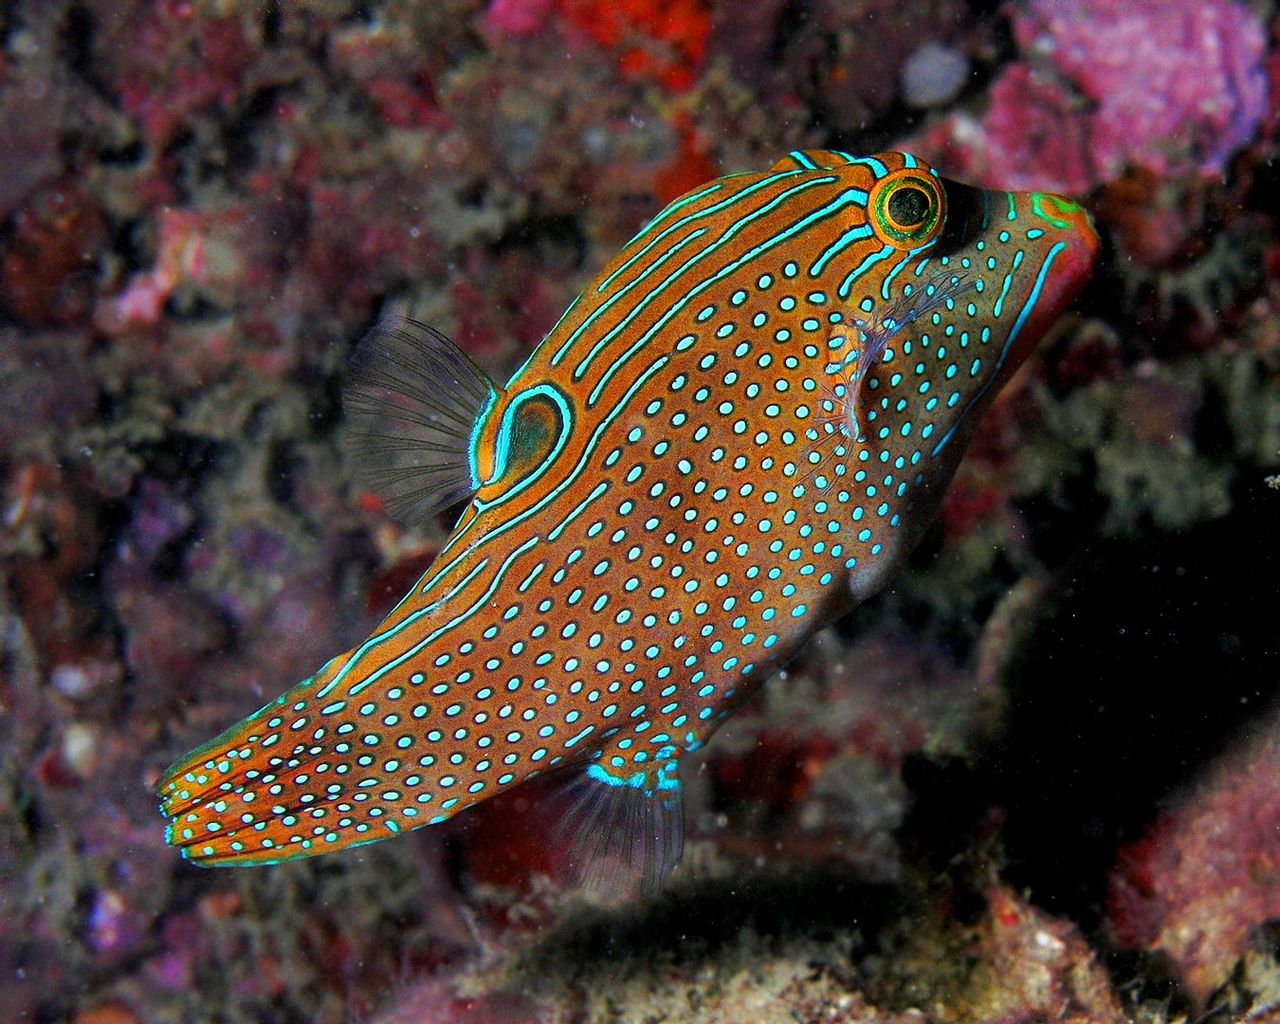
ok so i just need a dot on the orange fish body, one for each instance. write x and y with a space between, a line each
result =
742 425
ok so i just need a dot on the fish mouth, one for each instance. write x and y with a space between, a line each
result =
1073 225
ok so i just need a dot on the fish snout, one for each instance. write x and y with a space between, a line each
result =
1071 225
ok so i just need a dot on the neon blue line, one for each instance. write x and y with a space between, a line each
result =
854 234
431 637
1004 292
528 580
600 774
738 226
472 463
582 735
598 490
847 284
669 211
639 308
877 168
569 480
745 258
912 254
566 421
623 292
1025 312
710 211
627 266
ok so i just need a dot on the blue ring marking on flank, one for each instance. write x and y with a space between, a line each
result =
376 641
473 469
568 481
1025 312
505 430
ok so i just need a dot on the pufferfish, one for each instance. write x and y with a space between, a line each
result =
739 429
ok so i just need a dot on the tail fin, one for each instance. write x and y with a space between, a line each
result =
274 787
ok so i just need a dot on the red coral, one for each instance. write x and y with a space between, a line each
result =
657 40
1176 87
46 277
690 167
390 585
517 17
778 772
1135 908
179 62
1032 136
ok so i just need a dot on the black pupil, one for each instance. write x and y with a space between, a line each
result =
909 206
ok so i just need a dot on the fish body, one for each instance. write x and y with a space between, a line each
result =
739 428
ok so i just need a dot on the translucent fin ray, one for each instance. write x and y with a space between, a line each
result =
412 401
876 331
622 835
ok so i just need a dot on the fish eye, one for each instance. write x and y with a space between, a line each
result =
906 208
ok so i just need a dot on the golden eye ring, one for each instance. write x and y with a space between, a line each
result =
907 209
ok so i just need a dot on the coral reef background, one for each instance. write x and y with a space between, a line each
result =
1037 779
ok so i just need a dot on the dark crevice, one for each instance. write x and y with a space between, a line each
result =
1152 659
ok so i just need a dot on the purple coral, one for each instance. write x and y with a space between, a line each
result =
1174 86
1179 85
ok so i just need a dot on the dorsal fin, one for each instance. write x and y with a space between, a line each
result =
413 400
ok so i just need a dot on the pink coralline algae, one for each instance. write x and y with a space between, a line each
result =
1173 86
189 252
517 17
1207 873
1177 86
